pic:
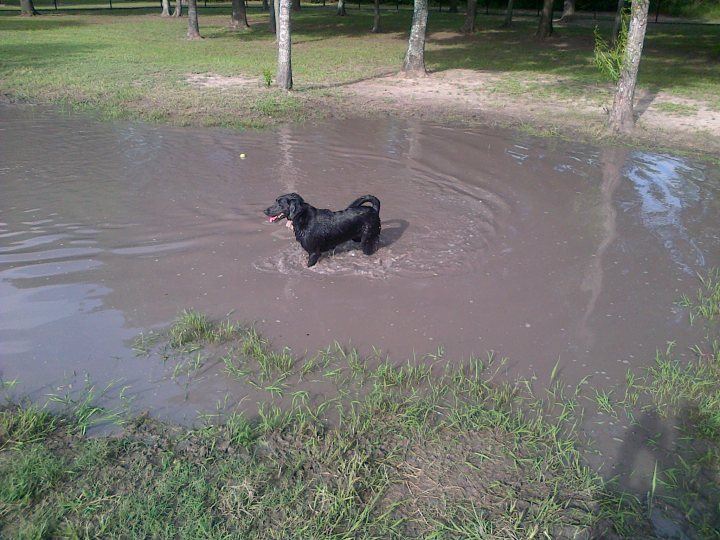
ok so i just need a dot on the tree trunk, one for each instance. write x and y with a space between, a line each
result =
470 15
193 32
178 8
414 64
165 8
284 65
568 11
545 28
508 15
453 6
376 18
27 8
341 8
272 26
618 21
238 19
621 114
265 5
296 5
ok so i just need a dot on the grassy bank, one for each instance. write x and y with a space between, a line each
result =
342 446
139 65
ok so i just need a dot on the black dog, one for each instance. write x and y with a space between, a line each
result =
320 230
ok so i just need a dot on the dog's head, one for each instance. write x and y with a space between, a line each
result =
286 206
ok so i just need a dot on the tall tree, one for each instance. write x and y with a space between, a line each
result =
341 8
296 5
621 118
376 17
414 63
238 19
545 27
468 26
27 8
617 24
177 12
193 26
568 11
508 15
284 64
165 8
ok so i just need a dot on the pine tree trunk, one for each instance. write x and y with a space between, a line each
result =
341 8
193 32
284 67
470 16
617 24
27 8
165 8
568 11
621 118
238 19
545 28
508 15
178 9
414 64
376 18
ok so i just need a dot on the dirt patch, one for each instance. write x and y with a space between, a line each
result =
477 96
209 80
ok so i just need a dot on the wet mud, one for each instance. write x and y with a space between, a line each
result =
544 252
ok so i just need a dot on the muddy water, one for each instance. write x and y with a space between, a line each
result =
541 251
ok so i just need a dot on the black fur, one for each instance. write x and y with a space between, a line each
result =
320 230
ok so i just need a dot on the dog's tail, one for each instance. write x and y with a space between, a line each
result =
374 202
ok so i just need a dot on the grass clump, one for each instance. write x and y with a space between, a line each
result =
194 328
706 303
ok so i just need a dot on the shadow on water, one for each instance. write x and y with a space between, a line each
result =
392 230
668 465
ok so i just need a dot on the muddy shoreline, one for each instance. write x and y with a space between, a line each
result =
461 97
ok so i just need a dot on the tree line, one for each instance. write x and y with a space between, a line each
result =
620 118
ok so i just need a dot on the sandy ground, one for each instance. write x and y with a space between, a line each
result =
662 120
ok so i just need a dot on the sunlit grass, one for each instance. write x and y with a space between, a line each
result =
137 64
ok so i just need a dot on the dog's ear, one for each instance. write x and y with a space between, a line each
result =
292 209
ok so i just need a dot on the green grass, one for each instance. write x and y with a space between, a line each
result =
346 446
136 64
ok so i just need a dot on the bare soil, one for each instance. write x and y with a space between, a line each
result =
468 95
471 97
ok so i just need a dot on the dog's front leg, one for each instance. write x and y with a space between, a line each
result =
313 259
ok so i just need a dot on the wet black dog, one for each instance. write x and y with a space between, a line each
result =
320 230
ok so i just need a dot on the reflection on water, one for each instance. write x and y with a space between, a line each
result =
491 241
667 187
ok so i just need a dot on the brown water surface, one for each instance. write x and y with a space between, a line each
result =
543 251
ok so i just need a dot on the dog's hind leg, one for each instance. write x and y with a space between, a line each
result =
370 244
313 259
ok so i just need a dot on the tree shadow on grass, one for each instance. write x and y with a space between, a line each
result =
38 55
27 24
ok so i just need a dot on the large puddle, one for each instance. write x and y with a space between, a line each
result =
544 252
